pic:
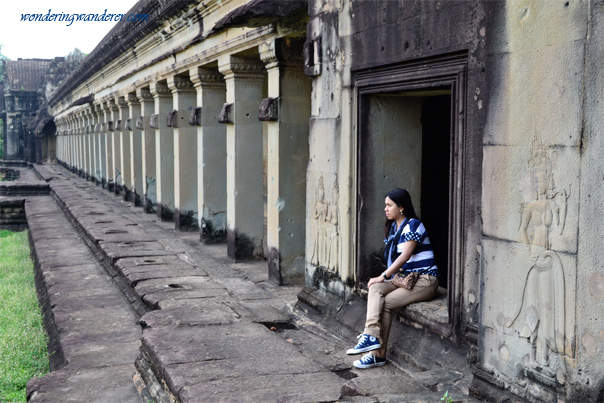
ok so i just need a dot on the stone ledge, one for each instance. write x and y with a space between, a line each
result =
433 315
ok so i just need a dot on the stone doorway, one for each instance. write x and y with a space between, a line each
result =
411 134
405 142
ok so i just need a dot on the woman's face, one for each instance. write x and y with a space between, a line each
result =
392 210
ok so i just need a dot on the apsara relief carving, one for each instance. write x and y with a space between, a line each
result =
326 248
538 310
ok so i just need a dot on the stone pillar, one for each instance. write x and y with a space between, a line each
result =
108 126
123 134
149 190
89 153
185 153
245 206
102 150
287 111
81 116
115 147
211 154
164 150
79 147
93 138
136 162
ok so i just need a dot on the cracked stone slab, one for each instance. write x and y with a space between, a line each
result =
85 386
195 313
378 385
120 250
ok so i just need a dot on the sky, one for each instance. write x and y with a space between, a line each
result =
45 40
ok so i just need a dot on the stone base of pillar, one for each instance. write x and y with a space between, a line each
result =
185 220
148 206
241 247
110 186
127 194
209 233
137 200
164 213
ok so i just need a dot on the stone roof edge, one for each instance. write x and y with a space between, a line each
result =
121 37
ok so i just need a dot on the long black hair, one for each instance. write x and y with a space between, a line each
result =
402 198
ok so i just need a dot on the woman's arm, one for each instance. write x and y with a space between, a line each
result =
408 248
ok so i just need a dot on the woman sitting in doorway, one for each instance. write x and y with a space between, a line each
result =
407 248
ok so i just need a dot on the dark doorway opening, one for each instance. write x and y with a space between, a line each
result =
436 163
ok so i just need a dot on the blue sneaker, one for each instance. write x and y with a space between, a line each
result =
366 343
369 361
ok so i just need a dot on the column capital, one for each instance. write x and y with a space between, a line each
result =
268 54
206 76
131 99
282 52
160 90
241 67
144 94
180 84
120 101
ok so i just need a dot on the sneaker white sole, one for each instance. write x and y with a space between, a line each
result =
353 351
363 366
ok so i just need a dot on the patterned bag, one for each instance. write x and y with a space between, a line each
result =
408 280
403 280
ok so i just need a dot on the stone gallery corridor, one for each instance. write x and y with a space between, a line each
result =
224 165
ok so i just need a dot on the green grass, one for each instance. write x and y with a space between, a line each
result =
22 338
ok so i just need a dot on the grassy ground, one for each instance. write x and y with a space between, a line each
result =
22 338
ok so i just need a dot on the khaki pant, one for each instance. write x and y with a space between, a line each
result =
384 297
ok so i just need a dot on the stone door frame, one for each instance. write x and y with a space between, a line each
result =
449 70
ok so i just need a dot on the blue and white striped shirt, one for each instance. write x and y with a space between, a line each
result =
423 255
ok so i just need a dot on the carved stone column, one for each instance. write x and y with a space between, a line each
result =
185 153
149 190
80 144
136 163
102 146
164 150
89 152
211 153
116 153
108 126
123 137
287 112
245 196
93 140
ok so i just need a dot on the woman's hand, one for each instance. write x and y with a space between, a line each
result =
374 280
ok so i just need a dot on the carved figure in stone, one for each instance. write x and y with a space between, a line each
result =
537 273
318 255
332 232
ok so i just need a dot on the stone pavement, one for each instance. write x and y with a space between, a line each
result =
212 330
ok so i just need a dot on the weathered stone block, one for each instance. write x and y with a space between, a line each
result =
269 110
227 113
154 121
172 119
195 117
